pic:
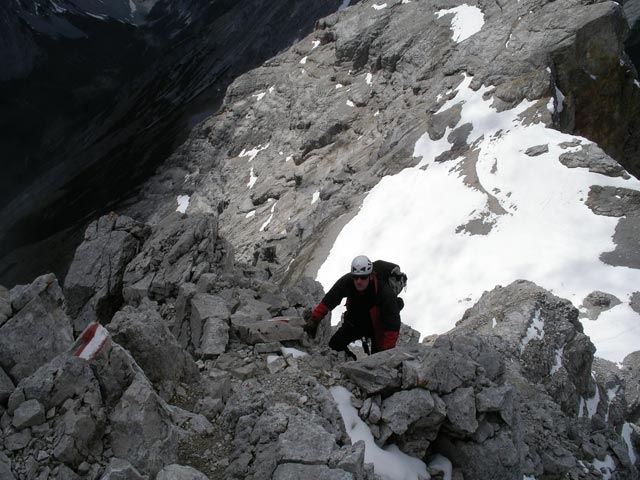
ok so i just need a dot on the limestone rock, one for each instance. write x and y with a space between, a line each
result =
407 407
207 331
180 472
5 305
179 250
93 285
142 331
38 331
461 411
28 414
631 374
294 471
524 321
279 329
142 431
120 469
6 387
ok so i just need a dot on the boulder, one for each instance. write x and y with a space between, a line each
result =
295 471
142 331
93 285
279 329
5 467
142 431
207 331
180 472
28 414
120 469
461 411
403 409
38 331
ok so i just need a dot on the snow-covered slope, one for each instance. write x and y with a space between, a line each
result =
459 227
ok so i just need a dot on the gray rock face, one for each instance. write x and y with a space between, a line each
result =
93 285
142 430
631 374
594 159
5 305
179 250
38 330
360 91
142 331
634 301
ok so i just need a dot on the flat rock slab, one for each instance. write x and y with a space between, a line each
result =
279 329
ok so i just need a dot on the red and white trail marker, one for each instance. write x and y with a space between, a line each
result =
91 341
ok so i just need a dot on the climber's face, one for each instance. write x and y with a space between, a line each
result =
361 282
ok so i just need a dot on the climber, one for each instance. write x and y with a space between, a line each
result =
373 309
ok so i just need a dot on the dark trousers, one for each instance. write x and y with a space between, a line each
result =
348 333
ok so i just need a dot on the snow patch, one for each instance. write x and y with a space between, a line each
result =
252 179
534 332
626 434
304 60
467 20
607 467
533 237
389 463
272 358
350 104
253 152
183 203
368 78
316 197
375 6
558 362
251 214
493 322
315 44
292 352
259 96
559 100
266 224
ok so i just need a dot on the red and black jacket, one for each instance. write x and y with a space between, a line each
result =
375 311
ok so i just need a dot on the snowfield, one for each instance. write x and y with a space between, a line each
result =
462 226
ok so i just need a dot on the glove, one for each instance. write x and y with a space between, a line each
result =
311 327
389 340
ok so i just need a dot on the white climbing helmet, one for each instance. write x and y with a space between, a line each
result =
361 265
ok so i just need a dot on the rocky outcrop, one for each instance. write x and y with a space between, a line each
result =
144 334
37 328
93 285
360 91
179 250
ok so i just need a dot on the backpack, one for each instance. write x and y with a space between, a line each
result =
390 274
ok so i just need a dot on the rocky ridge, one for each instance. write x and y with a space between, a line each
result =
301 140
208 374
